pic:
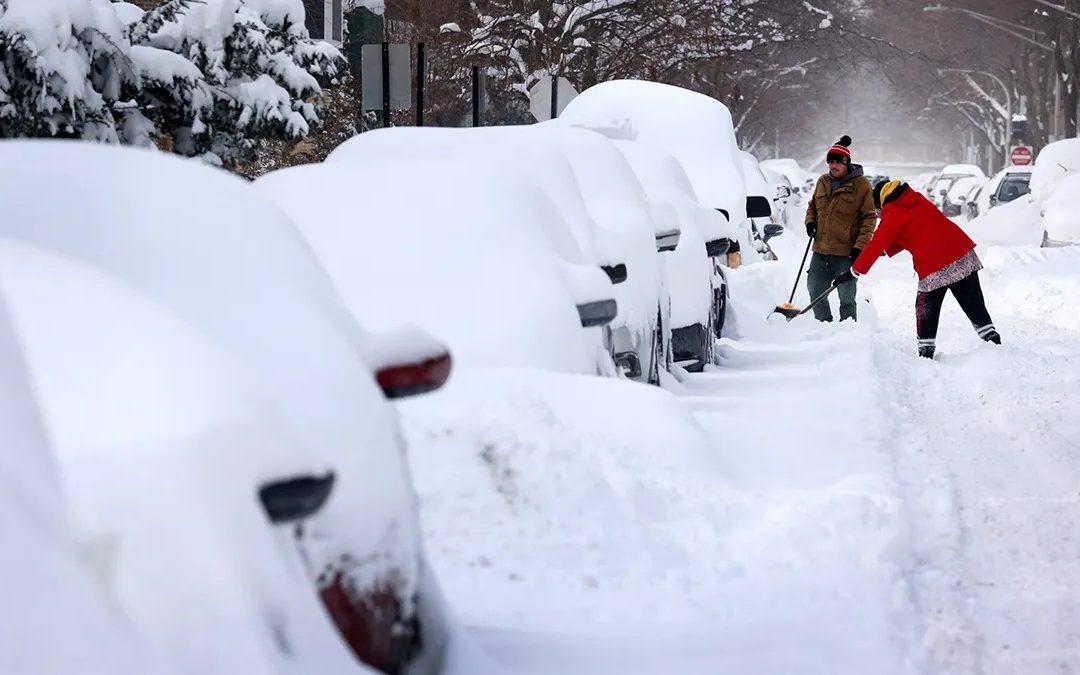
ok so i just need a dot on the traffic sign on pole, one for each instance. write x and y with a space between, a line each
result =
1020 155
546 100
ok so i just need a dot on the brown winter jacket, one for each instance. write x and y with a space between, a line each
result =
846 218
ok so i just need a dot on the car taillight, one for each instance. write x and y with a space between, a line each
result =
419 377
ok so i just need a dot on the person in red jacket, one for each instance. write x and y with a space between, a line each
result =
944 258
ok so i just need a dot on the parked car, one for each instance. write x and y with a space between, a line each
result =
1008 184
942 182
162 445
697 284
703 141
764 227
490 282
235 269
957 195
47 584
1055 187
624 236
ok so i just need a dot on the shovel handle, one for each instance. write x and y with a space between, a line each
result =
801 265
832 287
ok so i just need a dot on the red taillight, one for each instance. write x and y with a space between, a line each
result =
410 379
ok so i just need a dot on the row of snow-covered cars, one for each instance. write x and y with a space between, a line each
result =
204 470
1032 204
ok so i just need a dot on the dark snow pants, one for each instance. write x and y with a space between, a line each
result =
968 294
823 269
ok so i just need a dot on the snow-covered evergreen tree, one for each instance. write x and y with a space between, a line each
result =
259 69
64 70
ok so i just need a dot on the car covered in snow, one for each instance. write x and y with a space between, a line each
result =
760 189
175 475
1010 183
470 261
940 184
615 236
696 281
958 194
1055 186
703 140
222 260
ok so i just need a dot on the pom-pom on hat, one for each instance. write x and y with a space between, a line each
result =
839 151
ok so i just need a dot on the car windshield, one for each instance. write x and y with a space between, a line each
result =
1013 186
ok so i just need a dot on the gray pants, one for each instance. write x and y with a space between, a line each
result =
823 269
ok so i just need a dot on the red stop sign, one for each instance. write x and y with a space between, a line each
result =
1020 155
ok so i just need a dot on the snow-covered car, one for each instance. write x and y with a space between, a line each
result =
47 585
952 204
1055 186
625 248
939 186
214 254
484 273
695 128
174 473
790 169
758 187
695 279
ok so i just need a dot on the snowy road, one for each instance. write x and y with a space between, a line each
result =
855 509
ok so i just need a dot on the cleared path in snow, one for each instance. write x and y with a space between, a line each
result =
1000 428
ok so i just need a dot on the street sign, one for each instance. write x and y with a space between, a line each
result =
540 97
1020 155
400 75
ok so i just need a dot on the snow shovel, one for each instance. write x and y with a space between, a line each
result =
789 310
790 314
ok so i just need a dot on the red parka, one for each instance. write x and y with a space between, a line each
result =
910 222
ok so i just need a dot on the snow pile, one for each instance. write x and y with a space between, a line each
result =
522 475
1016 223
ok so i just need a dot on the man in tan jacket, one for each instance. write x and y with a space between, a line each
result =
841 219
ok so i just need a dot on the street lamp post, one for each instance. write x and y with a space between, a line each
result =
1008 102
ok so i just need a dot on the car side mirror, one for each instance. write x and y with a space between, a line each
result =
993 199
772 230
599 313
294 499
783 191
717 247
758 207
617 273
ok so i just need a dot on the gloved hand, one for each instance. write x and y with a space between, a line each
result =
855 253
843 278
811 229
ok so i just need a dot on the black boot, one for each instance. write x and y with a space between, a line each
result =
926 352
988 333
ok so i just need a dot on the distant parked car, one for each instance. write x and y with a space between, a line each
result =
956 197
942 182
235 269
703 141
1008 184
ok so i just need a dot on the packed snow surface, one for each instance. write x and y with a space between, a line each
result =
822 501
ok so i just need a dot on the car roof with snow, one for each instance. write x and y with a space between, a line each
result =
963 169
1052 164
470 260
696 128
492 151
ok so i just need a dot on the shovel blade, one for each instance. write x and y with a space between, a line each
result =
789 313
